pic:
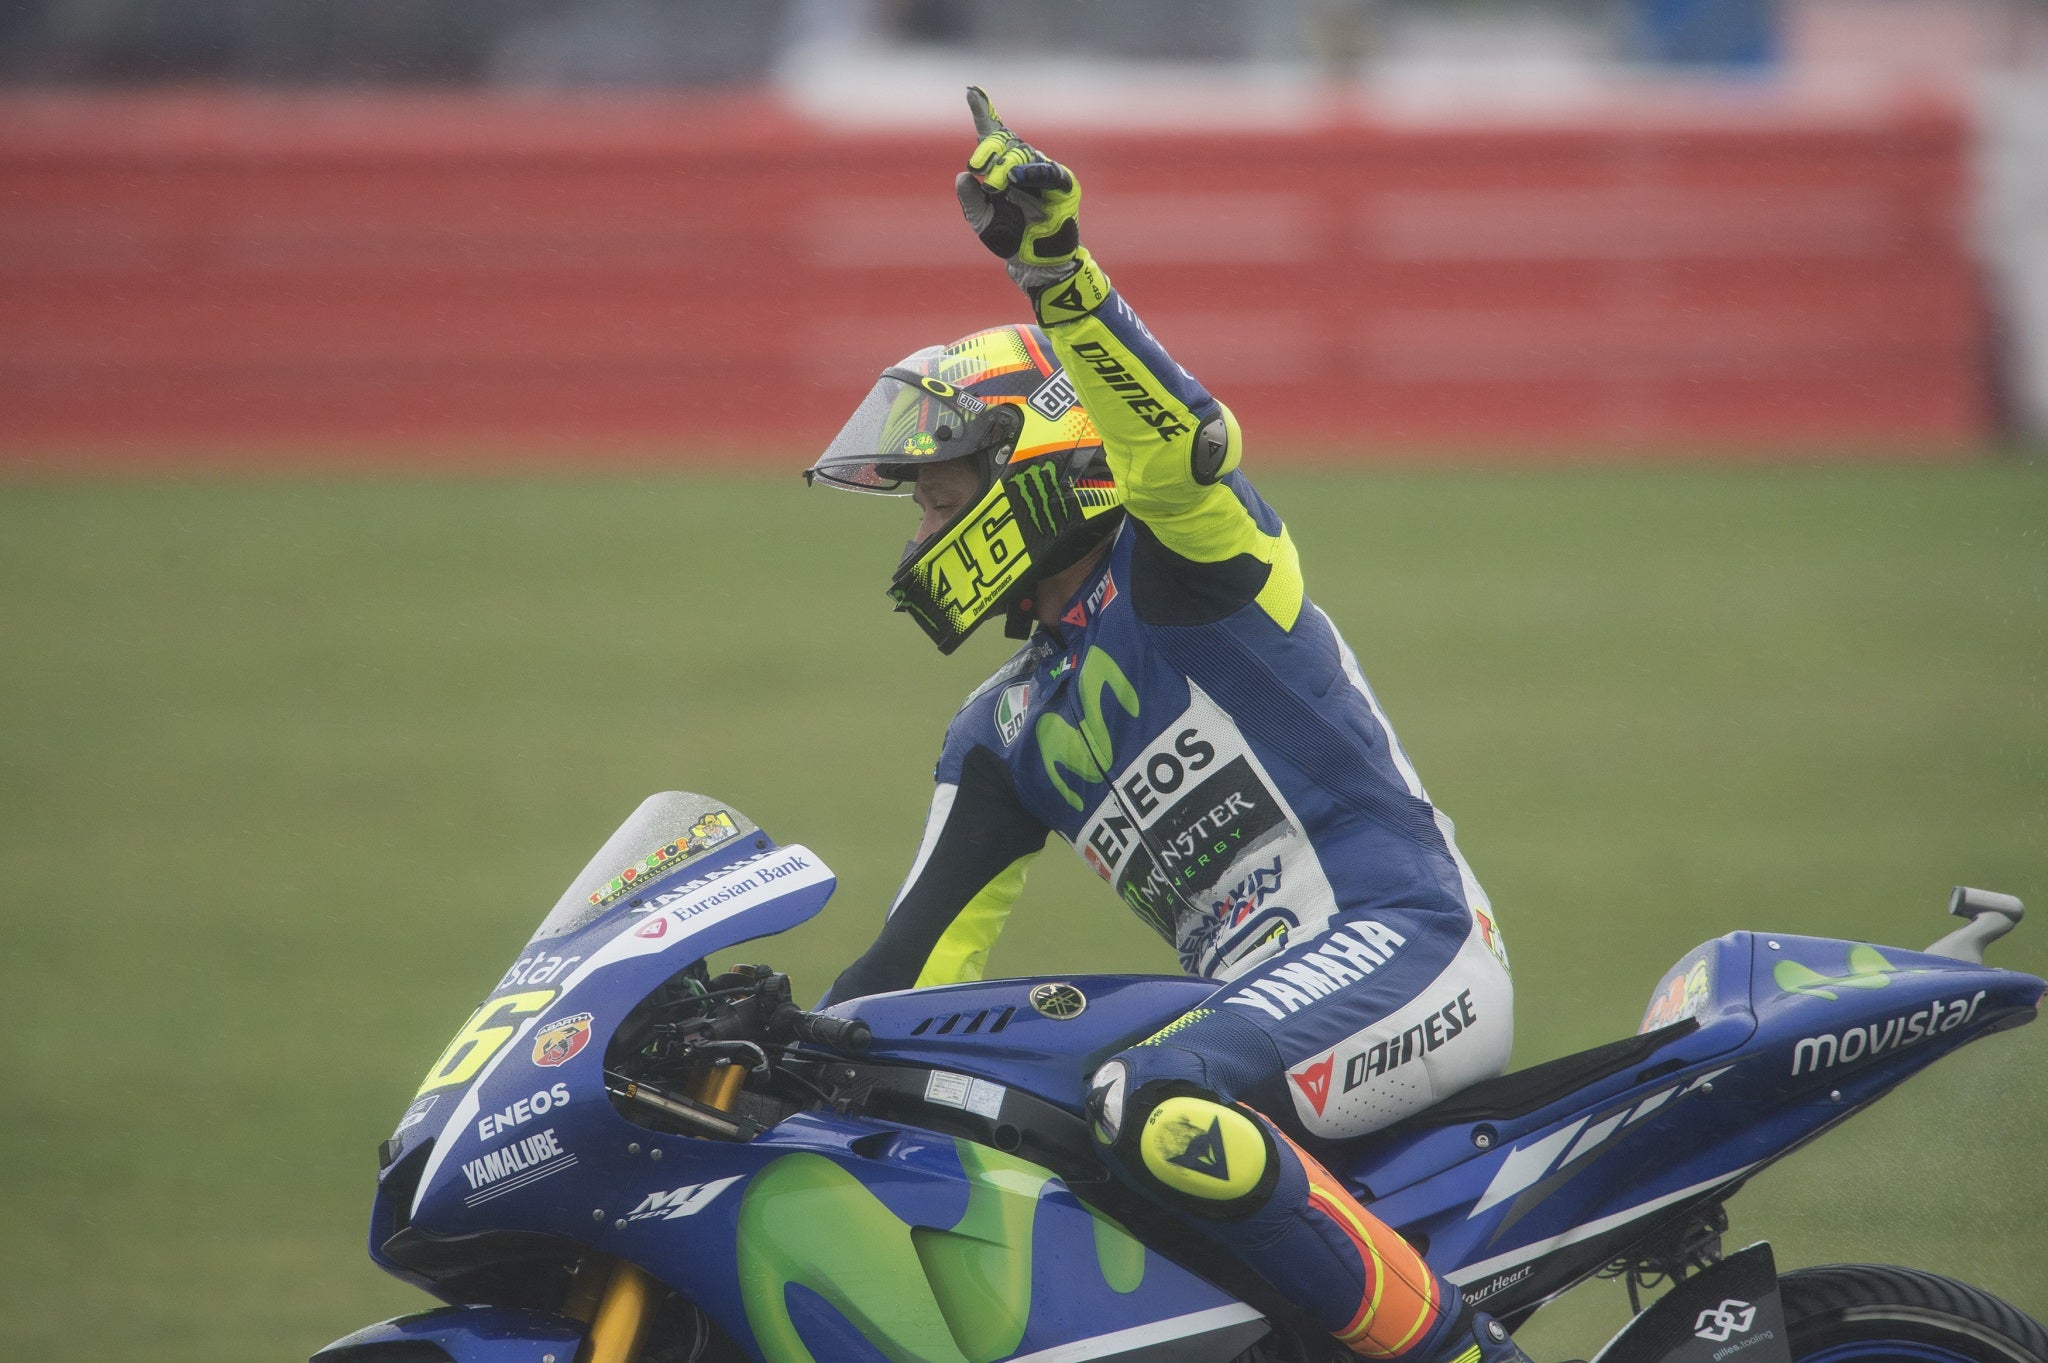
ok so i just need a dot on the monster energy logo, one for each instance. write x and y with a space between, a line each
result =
1086 752
1042 499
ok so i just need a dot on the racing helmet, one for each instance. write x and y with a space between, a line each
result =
999 399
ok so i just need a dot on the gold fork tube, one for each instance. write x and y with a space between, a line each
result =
621 1320
719 1086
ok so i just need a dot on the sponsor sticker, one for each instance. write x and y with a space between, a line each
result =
1342 957
559 1042
1055 397
529 971
687 1200
1104 593
523 1111
416 1114
1812 1054
517 1165
1246 897
1011 707
964 1092
1868 969
709 831
1497 1284
1193 818
1437 1029
1731 1317
1314 1081
1682 997
1489 932
1160 414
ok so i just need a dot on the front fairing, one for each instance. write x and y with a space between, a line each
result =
825 1235
513 1130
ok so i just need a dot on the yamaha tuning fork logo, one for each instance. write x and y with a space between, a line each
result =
1061 1001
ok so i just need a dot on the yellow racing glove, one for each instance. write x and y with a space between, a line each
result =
1021 203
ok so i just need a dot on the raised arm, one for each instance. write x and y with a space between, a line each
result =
1172 447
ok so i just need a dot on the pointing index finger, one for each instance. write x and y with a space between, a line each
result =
986 121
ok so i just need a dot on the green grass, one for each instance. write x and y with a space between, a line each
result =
289 768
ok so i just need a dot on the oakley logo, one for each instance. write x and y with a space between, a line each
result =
1731 1317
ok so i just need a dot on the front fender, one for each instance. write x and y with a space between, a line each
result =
463 1334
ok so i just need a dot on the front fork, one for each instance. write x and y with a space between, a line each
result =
614 1297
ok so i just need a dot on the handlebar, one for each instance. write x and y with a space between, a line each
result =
821 1029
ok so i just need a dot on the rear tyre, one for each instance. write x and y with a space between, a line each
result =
1871 1313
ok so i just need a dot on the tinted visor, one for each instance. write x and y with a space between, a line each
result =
906 421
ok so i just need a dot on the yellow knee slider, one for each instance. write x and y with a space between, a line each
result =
1207 1156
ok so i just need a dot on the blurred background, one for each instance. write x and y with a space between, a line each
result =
400 405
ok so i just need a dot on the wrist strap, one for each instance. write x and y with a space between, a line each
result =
1074 297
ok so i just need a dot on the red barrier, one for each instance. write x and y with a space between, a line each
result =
414 270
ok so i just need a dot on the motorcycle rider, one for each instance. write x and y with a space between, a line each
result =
1196 728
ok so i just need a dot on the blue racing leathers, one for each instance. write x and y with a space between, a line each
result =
1195 727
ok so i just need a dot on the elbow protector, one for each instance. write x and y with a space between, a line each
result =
1217 448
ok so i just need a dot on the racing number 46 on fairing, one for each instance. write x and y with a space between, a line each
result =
622 1157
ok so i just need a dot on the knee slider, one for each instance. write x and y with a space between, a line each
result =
1198 1153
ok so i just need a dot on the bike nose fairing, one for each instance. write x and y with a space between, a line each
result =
518 1097
825 1236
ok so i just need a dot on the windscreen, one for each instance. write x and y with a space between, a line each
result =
666 833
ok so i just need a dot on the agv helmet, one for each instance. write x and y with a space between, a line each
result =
999 399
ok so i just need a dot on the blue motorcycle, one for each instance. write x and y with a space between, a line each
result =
625 1158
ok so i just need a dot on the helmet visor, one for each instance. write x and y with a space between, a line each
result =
907 421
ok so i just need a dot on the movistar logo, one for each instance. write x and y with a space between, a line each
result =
1867 970
1038 496
1086 751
